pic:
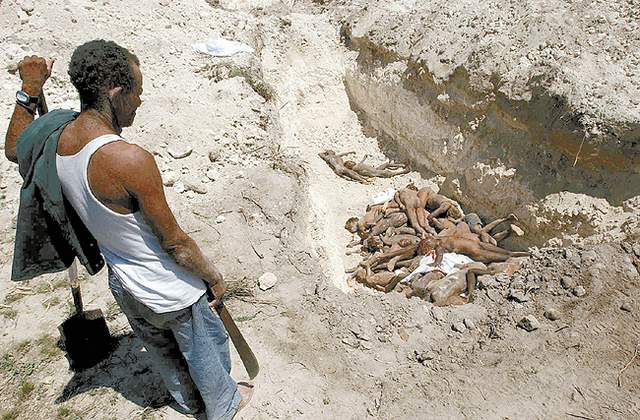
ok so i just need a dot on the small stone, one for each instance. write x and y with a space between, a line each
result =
214 155
179 153
529 323
458 327
552 314
424 356
220 219
468 322
179 187
437 314
351 342
169 178
212 174
518 296
402 333
579 291
568 282
589 257
626 307
267 281
573 257
27 7
189 186
487 282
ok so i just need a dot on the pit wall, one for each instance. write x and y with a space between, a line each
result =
497 155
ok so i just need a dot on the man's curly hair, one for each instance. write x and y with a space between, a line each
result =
98 66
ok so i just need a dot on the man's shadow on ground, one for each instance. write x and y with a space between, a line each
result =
127 371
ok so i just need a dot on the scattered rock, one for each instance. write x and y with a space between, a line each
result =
179 153
402 333
360 335
573 257
458 327
568 282
468 322
169 178
487 281
214 155
424 356
626 307
579 291
351 342
518 295
267 281
529 323
437 314
27 7
589 256
552 314
220 219
189 186
179 187
212 174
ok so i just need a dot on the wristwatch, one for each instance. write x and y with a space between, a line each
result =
27 102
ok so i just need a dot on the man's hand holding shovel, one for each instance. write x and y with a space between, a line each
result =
218 288
34 72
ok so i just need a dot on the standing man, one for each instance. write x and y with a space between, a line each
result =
156 270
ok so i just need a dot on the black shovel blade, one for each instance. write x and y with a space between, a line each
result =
86 339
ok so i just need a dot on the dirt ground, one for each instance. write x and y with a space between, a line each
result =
252 190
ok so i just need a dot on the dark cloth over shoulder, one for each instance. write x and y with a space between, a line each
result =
49 233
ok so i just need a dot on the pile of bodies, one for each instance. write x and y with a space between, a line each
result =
423 241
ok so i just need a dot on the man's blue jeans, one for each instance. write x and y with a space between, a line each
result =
189 348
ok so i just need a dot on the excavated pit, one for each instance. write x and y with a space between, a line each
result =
569 179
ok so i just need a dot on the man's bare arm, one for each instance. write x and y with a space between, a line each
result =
34 71
141 177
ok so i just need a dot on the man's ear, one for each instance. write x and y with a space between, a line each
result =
113 92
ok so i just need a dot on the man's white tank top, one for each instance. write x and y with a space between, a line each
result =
126 241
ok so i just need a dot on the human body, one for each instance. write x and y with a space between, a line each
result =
157 273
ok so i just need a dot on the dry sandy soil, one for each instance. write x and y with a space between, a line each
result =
252 190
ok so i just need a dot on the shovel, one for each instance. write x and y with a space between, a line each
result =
85 334
247 357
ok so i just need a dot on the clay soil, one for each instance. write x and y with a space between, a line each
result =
249 187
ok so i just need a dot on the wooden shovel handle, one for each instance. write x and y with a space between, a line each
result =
75 286
42 105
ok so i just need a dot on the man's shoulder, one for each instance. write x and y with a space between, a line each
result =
127 160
